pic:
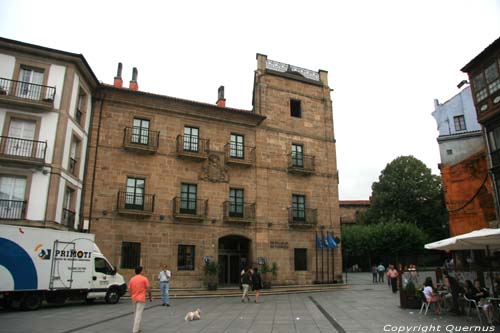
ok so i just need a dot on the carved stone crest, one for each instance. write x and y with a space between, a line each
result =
214 169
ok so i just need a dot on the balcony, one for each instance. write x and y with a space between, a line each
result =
12 209
68 219
301 164
192 147
141 140
135 203
22 151
238 213
194 210
239 155
306 218
27 94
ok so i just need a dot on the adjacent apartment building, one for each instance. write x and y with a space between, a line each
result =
464 170
181 182
45 112
484 78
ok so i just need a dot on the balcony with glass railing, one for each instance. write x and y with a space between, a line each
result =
301 164
306 217
235 212
239 154
192 147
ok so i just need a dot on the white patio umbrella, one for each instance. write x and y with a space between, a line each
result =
476 240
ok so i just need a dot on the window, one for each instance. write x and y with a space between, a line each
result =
236 202
237 146
81 105
134 196
297 156
68 215
12 197
449 151
30 86
459 123
295 109
131 255
73 156
21 138
299 207
300 259
188 198
191 140
486 82
185 258
140 131
102 266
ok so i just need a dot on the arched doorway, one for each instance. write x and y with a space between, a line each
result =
233 257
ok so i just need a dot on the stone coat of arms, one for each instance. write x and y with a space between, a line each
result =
214 170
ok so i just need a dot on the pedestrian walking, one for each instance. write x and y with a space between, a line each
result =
138 286
381 272
256 283
374 273
246 280
393 274
164 277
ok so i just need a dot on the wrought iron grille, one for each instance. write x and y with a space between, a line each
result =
25 90
239 210
284 68
301 162
240 152
10 146
308 216
194 207
12 209
192 144
136 201
138 136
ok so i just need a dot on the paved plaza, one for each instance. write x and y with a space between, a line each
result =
366 307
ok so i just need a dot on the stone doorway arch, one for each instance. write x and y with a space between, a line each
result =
234 255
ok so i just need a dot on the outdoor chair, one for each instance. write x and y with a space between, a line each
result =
470 304
425 303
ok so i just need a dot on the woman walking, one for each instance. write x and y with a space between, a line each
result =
246 279
256 283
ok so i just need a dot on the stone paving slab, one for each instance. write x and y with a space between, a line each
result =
364 308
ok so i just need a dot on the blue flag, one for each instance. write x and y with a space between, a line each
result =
332 242
326 242
318 243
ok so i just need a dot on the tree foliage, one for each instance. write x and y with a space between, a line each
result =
407 192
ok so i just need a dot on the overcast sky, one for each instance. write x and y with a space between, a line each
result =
387 60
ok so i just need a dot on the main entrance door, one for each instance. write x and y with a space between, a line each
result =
233 257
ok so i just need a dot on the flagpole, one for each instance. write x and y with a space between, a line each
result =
333 262
322 270
316 241
327 259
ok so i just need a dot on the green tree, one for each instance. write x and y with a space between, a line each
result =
408 192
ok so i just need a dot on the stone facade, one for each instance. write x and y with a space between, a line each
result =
286 201
350 209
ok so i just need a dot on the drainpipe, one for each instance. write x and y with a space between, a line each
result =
95 160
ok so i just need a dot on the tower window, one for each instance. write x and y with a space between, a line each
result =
295 109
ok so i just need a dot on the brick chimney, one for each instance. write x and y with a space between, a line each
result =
118 83
221 101
133 83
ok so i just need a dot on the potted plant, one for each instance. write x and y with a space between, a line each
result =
269 272
212 274
409 296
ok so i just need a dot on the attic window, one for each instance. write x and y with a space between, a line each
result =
295 110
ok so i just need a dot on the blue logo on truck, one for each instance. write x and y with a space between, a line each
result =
18 262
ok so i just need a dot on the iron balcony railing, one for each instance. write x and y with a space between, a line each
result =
301 162
26 90
68 218
192 145
141 138
244 211
306 216
128 201
15 147
197 208
495 158
12 209
239 153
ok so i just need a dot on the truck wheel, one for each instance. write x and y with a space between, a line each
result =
112 296
31 301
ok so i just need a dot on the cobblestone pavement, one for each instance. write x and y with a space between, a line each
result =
366 307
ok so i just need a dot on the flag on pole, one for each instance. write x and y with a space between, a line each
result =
318 243
332 242
326 242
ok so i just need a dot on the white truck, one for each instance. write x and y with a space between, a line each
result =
39 264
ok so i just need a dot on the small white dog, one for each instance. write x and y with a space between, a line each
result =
194 315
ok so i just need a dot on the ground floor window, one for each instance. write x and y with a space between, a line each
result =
185 258
131 255
300 259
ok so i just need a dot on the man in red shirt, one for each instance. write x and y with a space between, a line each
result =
138 286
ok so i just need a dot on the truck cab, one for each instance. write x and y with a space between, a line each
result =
106 282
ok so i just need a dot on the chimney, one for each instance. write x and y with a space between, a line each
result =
133 83
118 78
221 101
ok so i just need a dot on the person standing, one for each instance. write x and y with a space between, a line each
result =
245 282
454 288
393 274
164 277
374 273
256 283
381 272
138 286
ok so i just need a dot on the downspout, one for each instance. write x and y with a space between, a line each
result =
95 160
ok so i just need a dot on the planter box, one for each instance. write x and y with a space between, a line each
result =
409 301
